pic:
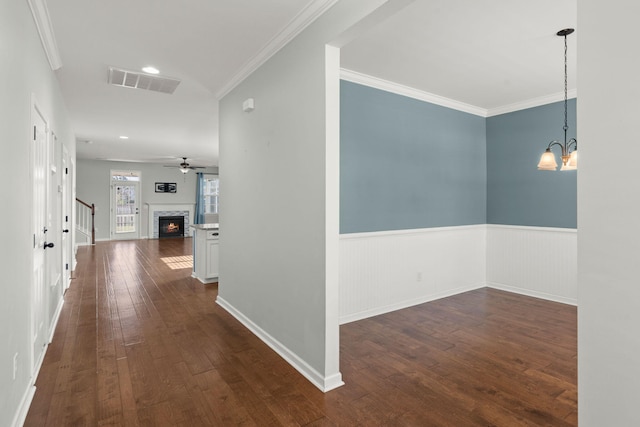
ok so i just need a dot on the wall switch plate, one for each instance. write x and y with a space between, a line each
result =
419 277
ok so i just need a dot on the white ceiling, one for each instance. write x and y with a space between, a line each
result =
487 53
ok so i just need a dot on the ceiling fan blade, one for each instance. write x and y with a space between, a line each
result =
184 165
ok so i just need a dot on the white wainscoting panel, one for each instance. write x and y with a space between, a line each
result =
386 271
535 261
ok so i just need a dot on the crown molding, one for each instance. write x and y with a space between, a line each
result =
388 86
530 103
45 30
301 21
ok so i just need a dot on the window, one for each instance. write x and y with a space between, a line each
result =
119 176
210 192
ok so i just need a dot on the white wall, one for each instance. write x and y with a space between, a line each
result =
279 209
24 70
608 214
93 180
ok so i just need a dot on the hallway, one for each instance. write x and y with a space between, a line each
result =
140 342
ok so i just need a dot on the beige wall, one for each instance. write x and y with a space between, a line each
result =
608 212
25 75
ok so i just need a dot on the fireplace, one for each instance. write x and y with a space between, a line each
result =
170 226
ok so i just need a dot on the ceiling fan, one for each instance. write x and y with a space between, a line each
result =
184 166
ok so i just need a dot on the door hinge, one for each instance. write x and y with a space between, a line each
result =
66 218
34 240
66 171
66 266
34 133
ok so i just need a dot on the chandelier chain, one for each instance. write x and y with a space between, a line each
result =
565 88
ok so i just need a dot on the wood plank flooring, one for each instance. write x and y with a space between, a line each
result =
141 343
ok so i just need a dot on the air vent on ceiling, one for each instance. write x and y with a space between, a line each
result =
137 80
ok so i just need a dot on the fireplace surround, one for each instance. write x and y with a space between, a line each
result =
156 210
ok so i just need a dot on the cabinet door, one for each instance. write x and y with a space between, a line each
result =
212 259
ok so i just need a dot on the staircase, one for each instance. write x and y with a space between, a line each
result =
85 223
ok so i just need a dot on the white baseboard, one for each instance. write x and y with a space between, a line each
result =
323 383
406 304
56 317
533 293
23 409
205 281
25 403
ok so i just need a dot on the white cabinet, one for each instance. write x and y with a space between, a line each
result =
205 253
212 258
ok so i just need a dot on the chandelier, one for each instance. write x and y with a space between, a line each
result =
569 149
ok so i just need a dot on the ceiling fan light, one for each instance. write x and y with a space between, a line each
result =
547 161
184 170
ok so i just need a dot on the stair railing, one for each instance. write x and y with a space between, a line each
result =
85 219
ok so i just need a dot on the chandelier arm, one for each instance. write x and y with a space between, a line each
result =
572 143
559 144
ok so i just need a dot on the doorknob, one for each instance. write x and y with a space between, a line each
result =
65 231
48 245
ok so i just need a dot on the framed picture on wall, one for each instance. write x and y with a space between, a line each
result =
166 187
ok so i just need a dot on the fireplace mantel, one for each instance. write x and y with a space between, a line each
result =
169 209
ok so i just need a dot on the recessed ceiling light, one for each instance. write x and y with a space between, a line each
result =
124 137
151 70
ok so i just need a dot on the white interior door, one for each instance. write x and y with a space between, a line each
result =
54 224
66 220
39 214
125 210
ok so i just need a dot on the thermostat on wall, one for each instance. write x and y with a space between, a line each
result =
247 105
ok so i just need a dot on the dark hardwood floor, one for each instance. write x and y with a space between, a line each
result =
141 343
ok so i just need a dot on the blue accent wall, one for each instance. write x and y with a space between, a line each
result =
407 164
518 193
